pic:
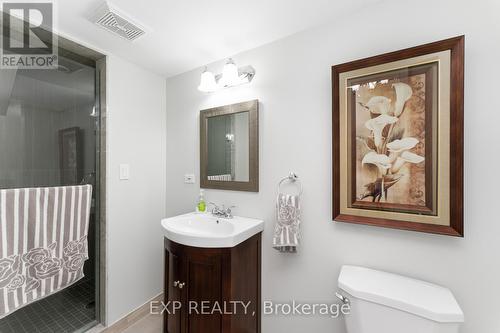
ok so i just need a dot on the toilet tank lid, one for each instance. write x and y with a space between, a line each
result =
414 296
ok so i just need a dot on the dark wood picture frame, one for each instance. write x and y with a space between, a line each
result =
456 46
252 185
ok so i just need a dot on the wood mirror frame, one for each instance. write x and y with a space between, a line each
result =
252 185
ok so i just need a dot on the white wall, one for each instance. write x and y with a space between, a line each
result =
135 135
294 87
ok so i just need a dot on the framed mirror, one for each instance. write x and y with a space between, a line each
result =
229 147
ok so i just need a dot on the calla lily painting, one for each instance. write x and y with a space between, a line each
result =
390 141
398 139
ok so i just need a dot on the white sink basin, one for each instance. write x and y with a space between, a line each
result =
206 230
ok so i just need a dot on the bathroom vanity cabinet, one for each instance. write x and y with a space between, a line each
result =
212 290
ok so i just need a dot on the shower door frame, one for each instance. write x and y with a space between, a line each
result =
87 56
101 180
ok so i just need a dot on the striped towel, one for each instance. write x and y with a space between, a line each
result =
226 178
43 242
287 233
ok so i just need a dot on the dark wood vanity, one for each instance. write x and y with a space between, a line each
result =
208 284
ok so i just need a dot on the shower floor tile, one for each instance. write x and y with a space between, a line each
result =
64 312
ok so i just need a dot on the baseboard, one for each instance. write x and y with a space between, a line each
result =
133 317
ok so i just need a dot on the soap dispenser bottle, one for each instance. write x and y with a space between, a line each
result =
202 206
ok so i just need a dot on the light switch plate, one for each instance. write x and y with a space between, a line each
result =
189 179
124 172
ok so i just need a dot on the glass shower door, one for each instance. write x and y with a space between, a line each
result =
49 137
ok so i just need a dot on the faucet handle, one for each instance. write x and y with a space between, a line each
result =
228 211
216 210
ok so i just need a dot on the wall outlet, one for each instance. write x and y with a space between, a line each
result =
189 179
124 172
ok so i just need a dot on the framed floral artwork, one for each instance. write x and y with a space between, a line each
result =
398 139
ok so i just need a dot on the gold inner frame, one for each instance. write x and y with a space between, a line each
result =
443 132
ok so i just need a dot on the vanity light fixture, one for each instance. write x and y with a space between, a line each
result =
231 76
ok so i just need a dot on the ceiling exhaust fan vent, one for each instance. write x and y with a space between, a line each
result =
112 20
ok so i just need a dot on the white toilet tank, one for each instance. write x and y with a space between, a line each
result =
388 303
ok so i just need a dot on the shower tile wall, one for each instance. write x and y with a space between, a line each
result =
31 157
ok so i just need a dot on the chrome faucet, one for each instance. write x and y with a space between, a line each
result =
221 211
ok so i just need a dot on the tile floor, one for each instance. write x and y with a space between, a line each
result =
63 312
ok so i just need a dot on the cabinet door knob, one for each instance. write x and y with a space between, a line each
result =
181 285
176 283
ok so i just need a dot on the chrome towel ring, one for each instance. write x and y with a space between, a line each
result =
293 178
